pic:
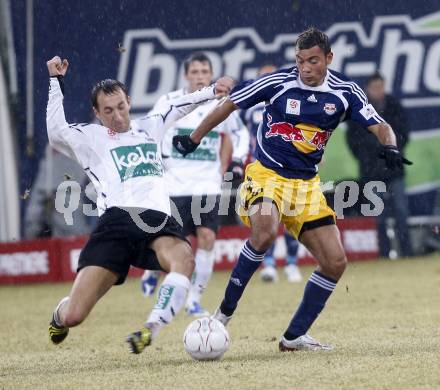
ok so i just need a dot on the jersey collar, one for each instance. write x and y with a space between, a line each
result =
324 87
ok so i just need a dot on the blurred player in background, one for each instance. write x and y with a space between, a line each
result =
41 218
194 183
123 160
304 104
365 148
253 118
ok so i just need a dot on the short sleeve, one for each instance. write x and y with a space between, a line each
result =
360 110
251 92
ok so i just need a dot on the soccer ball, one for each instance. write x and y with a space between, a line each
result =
206 339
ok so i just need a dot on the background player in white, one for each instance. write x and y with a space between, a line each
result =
194 182
123 160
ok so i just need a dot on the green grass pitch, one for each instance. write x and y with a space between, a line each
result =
383 319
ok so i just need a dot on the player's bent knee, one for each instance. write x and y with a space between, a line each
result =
341 264
336 267
263 239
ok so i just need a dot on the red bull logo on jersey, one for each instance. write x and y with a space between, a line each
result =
329 108
306 138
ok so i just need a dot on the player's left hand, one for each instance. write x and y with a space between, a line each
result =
184 144
393 158
237 169
223 86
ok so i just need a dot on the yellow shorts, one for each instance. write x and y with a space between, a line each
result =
298 201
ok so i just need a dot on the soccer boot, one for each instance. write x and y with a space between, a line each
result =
293 273
149 282
195 310
57 333
303 343
137 341
223 318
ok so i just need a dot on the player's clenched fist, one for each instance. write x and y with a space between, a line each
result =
223 86
57 67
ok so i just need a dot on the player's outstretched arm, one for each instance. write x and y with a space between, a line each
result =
390 153
186 144
213 119
55 119
62 136
174 109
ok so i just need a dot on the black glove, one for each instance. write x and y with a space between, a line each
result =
237 169
184 144
393 158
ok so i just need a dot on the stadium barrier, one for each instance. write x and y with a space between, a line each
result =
55 260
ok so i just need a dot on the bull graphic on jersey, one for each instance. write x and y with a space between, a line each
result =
306 138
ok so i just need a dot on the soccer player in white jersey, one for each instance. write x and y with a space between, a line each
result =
123 160
304 105
194 182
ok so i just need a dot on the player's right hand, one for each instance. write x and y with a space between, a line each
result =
184 144
223 86
56 67
393 158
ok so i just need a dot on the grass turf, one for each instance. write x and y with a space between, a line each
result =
383 319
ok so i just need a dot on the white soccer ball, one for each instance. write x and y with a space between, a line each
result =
206 339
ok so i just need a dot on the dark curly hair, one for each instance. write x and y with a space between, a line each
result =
313 37
107 87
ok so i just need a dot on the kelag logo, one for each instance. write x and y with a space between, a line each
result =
406 51
137 160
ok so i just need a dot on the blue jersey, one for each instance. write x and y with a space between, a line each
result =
298 120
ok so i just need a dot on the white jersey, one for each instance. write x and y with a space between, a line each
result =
125 168
199 173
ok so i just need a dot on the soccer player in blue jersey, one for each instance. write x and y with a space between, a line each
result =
304 104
